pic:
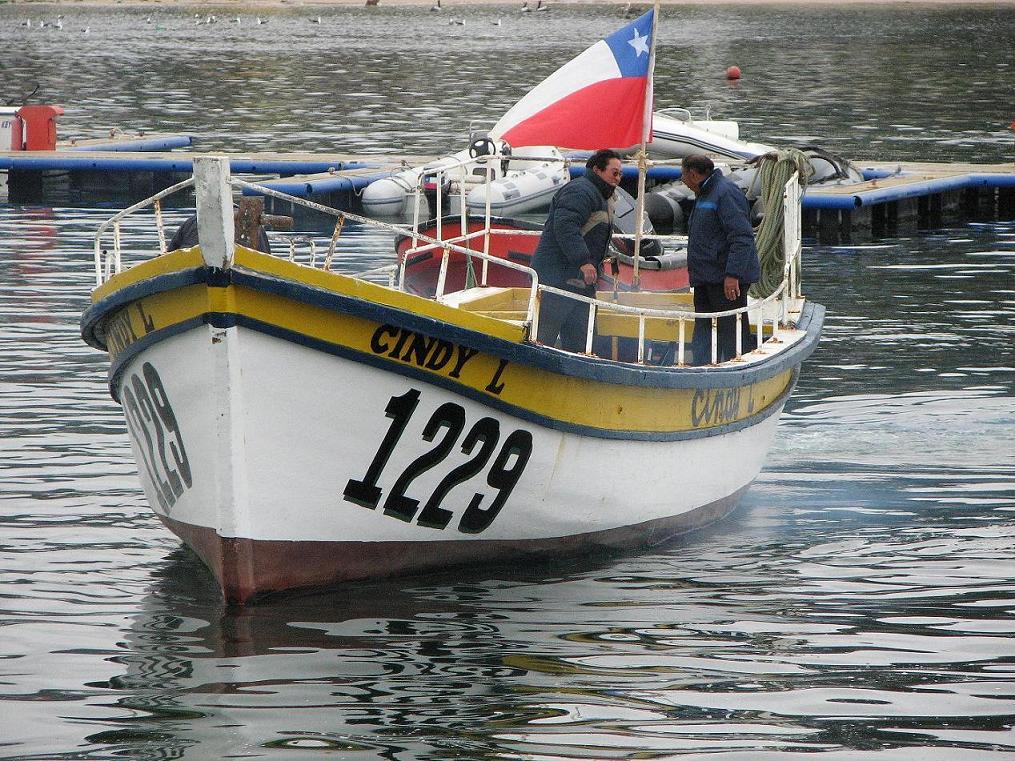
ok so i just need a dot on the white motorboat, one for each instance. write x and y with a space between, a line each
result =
522 181
675 134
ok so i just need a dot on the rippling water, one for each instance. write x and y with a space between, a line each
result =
860 602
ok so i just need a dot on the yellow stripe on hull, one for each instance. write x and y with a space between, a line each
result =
570 400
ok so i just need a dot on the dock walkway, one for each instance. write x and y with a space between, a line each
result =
895 197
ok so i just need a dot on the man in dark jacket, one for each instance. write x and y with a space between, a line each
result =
572 247
722 259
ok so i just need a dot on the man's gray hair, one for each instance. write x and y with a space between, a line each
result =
699 162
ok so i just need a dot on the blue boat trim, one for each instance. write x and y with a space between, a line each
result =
94 315
152 143
420 375
541 357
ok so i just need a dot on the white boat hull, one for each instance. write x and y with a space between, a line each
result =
320 441
676 138
271 465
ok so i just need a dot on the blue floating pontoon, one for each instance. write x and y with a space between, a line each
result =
307 187
815 199
136 145
81 161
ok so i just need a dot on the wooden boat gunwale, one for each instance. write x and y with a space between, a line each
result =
533 355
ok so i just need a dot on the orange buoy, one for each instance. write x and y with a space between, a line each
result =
733 72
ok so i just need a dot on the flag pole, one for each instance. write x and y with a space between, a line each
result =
646 129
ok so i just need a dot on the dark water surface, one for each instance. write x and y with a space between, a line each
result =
859 605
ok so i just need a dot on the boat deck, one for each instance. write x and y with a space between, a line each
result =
618 331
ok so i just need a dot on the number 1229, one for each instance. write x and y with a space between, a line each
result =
445 425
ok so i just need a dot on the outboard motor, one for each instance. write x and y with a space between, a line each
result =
625 222
830 168
669 206
664 214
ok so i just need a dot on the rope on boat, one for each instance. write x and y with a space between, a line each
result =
775 170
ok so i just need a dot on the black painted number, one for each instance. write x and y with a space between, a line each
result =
506 470
153 423
450 417
399 409
445 426
487 430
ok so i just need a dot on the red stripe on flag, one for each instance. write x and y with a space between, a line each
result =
606 114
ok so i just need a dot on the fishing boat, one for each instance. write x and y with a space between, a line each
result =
298 427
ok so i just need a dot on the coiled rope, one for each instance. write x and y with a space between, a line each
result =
775 168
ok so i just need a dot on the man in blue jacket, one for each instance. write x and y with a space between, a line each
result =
722 259
572 247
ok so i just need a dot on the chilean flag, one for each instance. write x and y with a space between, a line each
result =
601 99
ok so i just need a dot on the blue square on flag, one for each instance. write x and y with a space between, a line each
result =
631 46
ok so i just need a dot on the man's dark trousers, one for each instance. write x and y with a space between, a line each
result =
711 297
569 318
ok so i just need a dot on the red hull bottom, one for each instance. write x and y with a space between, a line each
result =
247 568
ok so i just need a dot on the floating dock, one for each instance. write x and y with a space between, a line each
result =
899 197
895 198
82 173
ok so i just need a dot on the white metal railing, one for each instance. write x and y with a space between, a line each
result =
773 311
109 263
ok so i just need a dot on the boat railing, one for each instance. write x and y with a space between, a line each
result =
774 310
458 168
778 305
109 262
775 316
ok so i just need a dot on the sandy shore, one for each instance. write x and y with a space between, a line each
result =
241 4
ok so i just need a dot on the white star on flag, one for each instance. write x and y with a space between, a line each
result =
639 43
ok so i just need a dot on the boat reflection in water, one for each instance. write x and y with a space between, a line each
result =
350 671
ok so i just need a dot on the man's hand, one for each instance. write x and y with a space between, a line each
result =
589 273
731 288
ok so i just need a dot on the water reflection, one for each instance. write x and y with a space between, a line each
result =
857 603
868 81
858 600
786 631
